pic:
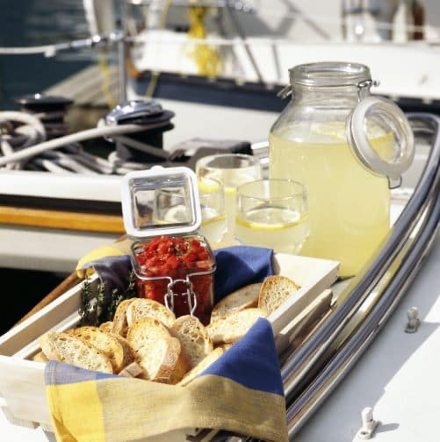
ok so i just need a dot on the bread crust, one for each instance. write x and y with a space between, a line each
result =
156 351
147 308
274 291
233 326
120 326
104 342
241 299
194 339
52 346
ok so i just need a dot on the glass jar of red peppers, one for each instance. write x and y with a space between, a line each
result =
173 264
176 271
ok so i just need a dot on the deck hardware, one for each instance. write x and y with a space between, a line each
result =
369 425
413 320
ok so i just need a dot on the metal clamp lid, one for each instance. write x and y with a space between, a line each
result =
381 137
160 201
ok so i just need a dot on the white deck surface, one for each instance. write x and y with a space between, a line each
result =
399 375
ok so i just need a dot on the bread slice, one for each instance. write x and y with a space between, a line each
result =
182 365
156 351
129 356
72 350
246 297
39 357
194 339
230 328
274 291
120 325
105 342
107 326
201 366
142 308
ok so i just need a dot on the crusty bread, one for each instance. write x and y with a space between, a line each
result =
230 328
120 325
39 357
129 356
274 291
156 351
225 347
107 326
72 350
246 297
142 308
132 370
194 339
182 365
202 365
105 342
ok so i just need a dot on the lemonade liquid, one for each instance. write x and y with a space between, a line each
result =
278 228
349 207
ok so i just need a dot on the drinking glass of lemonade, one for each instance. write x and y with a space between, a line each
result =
232 170
212 203
272 213
171 207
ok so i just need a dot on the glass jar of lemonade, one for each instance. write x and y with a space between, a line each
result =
346 147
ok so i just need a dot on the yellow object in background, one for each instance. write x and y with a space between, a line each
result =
207 58
116 249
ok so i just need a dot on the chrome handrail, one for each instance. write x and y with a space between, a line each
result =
385 278
299 364
423 208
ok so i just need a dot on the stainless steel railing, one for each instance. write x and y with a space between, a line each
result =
345 333
386 278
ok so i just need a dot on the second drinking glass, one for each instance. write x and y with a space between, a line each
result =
273 214
232 170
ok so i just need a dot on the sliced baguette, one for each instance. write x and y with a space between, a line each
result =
201 366
39 357
246 297
72 350
120 325
107 326
230 328
274 291
129 356
105 342
194 339
156 351
142 308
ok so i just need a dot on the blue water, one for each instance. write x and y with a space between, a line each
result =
35 22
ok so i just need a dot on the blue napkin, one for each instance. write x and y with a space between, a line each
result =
237 267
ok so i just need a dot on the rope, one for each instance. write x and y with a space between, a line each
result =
24 145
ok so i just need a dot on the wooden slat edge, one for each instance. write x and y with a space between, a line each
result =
54 219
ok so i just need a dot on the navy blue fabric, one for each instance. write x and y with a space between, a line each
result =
252 361
239 266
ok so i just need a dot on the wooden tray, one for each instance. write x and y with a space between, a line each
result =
22 388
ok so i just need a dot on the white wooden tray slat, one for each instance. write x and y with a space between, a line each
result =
38 324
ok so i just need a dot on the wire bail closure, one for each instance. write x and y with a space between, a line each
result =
189 293
362 86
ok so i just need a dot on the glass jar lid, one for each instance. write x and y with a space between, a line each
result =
160 201
381 137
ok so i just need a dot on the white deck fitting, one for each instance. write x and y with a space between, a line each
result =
398 376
